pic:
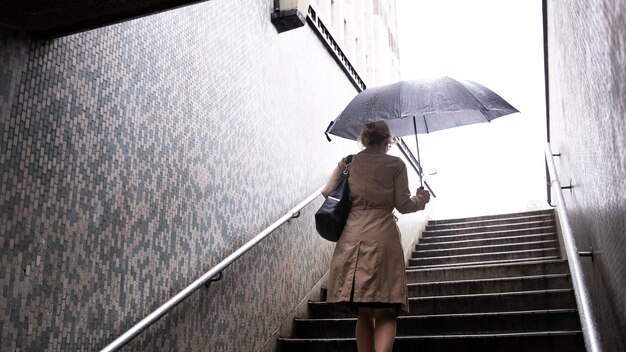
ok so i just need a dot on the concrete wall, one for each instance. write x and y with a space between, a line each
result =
588 127
135 157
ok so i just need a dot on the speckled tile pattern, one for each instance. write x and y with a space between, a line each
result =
588 127
135 157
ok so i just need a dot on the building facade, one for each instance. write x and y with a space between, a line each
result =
368 32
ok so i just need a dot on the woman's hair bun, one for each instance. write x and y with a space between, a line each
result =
375 133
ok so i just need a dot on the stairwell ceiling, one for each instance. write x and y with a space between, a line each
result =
55 18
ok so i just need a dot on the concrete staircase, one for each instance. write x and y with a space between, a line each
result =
490 283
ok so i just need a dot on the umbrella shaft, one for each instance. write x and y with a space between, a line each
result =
418 151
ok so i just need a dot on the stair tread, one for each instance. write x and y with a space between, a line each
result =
491 217
477 234
496 226
496 279
470 264
460 315
492 264
502 219
499 294
474 295
449 336
493 239
491 246
489 253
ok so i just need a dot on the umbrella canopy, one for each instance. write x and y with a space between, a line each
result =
420 106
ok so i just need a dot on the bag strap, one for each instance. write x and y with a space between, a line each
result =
347 161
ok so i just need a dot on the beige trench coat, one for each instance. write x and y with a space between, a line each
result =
369 255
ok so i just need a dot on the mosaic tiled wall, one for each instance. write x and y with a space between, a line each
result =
588 127
135 157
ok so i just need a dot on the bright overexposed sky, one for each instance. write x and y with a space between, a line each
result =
492 167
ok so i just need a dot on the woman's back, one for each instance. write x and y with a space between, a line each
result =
378 180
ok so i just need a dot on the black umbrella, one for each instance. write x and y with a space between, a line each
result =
420 106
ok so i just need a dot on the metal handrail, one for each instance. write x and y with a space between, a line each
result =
326 35
408 155
587 319
206 278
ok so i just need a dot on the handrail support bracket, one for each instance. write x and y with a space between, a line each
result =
215 278
587 254
569 186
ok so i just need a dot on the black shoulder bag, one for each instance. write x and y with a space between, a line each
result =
332 215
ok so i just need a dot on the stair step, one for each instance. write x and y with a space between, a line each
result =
487 241
485 257
487 271
490 228
471 303
491 285
509 261
492 217
485 235
481 323
551 341
516 246
488 222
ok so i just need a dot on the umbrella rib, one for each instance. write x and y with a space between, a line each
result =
425 124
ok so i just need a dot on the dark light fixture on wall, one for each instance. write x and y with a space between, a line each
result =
289 14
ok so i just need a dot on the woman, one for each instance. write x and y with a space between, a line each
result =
367 269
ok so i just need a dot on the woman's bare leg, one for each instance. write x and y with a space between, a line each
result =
365 330
384 329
